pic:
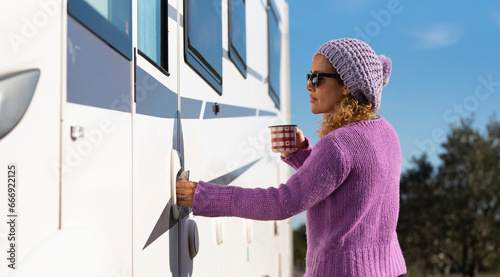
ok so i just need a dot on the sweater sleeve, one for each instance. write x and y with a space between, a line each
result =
318 177
298 158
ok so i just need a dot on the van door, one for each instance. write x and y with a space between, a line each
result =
96 169
157 142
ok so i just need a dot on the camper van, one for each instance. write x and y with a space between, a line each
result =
105 104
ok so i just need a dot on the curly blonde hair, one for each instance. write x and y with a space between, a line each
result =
351 110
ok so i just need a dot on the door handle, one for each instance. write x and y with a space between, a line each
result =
176 174
191 230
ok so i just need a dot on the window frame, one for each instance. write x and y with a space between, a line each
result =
233 52
163 63
102 27
274 93
196 60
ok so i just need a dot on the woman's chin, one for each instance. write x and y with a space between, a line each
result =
314 111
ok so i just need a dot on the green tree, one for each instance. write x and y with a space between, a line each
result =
469 177
299 247
450 217
420 212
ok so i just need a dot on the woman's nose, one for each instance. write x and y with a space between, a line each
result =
309 86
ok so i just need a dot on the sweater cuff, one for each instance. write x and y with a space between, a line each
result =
212 200
297 159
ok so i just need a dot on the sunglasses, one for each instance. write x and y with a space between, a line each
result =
314 77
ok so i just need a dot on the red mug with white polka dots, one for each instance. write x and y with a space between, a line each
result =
283 138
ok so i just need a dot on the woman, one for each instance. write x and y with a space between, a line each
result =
348 182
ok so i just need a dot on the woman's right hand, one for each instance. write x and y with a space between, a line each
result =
300 139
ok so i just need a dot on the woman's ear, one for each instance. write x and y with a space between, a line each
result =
346 91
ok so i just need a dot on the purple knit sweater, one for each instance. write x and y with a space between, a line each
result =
349 185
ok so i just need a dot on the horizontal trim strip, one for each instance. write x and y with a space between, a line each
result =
155 99
226 110
98 76
152 98
266 113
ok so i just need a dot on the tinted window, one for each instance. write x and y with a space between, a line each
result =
237 35
203 39
274 55
111 20
152 31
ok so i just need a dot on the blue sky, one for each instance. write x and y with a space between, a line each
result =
445 55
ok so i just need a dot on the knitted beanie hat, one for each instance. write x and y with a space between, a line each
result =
363 72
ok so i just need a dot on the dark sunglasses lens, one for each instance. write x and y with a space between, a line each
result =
313 78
